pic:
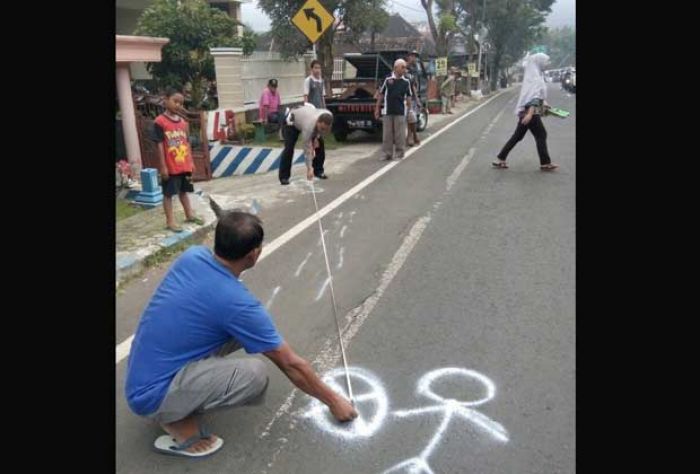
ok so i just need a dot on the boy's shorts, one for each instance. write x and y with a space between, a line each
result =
178 183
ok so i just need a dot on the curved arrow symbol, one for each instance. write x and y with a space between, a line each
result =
309 12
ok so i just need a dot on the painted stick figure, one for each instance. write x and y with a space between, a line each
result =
450 408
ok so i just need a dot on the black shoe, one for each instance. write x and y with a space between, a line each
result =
321 176
284 181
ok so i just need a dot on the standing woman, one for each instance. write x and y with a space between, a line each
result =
529 110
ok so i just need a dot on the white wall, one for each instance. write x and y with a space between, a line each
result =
261 66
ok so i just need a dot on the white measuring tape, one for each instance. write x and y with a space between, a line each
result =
335 309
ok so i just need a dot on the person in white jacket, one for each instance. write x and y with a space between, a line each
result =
530 108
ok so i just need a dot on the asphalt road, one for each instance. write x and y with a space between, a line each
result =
455 281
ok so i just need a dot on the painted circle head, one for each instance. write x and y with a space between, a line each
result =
372 402
425 385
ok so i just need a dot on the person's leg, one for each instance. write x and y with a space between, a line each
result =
170 188
518 135
537 129
185 201
411 125
416 140
387 138
319 158
400 134
291 134
168 209
186 188
208 385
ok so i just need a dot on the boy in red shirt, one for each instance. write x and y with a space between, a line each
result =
176 164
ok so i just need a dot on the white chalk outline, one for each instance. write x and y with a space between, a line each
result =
320 242
451 408
362 428
324 286
340 258
301 265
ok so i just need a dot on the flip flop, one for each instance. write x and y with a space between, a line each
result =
499 164
175 229
168 445
196 220
550 167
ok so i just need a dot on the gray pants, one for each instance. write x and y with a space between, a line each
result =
219 381
394 133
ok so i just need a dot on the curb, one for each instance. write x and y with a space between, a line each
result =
131 263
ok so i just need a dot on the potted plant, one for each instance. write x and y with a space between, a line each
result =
434 106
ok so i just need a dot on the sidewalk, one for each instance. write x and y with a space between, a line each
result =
143 235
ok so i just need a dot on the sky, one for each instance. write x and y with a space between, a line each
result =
563 13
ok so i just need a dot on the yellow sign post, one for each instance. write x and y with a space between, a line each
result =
441 67
312 19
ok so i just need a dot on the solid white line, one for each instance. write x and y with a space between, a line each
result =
124 347
274 293
460 167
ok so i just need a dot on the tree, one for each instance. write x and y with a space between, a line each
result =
561 46
513 27
447 22
358 20
358 16
193 27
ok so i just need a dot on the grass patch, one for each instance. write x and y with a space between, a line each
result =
165 255
127 209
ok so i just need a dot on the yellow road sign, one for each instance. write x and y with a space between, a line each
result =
312 19
441 67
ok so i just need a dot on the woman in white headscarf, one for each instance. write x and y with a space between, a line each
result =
529 110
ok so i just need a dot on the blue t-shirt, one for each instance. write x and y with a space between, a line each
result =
199 306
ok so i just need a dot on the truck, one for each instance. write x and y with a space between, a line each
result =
353 108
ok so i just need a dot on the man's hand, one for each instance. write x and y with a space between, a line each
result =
310 174
164 173
526 119
343 410
376 114
303 376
